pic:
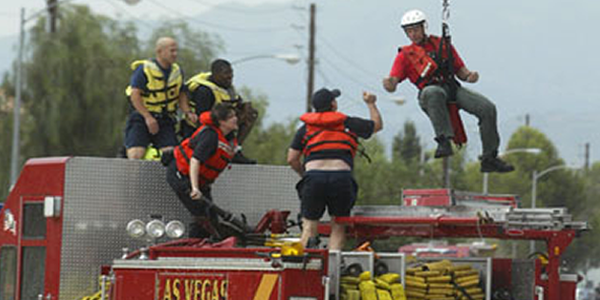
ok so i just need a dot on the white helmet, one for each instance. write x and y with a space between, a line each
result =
413 17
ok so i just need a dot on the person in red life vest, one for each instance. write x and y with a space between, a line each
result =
428 69
328 140
199 160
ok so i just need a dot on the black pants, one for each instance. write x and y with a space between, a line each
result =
203 217
182 187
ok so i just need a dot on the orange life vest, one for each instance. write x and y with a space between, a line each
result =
326 131
211 168
424 64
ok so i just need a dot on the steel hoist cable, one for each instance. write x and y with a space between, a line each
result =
445 11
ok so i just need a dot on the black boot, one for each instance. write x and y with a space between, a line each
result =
494 164
444 148
239 158
197 228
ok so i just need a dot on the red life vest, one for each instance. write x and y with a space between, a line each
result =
326 131
422 62
211 168
425 66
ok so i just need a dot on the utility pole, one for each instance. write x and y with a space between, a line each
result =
14 158
527 120
311 57
52 14
446 174
586 165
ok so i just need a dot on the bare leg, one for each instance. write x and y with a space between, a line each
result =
309 229
337 237
136 152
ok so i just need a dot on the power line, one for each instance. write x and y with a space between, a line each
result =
240 10
121 9
218 26
324 76
346 75
346 59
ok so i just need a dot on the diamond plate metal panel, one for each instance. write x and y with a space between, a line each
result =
101 195
254 189
523 278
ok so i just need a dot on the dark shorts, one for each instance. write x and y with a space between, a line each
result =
186 130
334 190
182 188
137 134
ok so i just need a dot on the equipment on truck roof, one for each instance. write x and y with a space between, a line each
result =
65 219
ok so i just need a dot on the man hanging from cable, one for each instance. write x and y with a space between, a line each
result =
432 64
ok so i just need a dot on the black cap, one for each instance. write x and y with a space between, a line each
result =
322 98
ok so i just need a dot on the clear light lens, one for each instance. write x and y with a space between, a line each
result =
155 228
175 229
136 228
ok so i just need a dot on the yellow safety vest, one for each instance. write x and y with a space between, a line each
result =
159 94
221 94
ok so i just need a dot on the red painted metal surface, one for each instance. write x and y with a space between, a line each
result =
501 273
227 283
427 197
273 220
40 177
449 197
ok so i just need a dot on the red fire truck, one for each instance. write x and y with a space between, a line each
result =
65 223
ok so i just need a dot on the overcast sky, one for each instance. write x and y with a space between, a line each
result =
10 10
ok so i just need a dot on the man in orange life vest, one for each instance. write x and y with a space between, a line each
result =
199 160
328 141
421 63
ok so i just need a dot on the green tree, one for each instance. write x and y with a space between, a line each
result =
407 144
372 175
268 145
6 121
73 100
196 49
560 188
73 86
518 182
588 245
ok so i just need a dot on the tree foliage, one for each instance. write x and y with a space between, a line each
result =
268 145
6 127
73 100
406 145
73 85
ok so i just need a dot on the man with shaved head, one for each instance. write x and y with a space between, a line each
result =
155 92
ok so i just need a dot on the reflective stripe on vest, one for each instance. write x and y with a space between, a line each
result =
326 131
221 94
159 94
